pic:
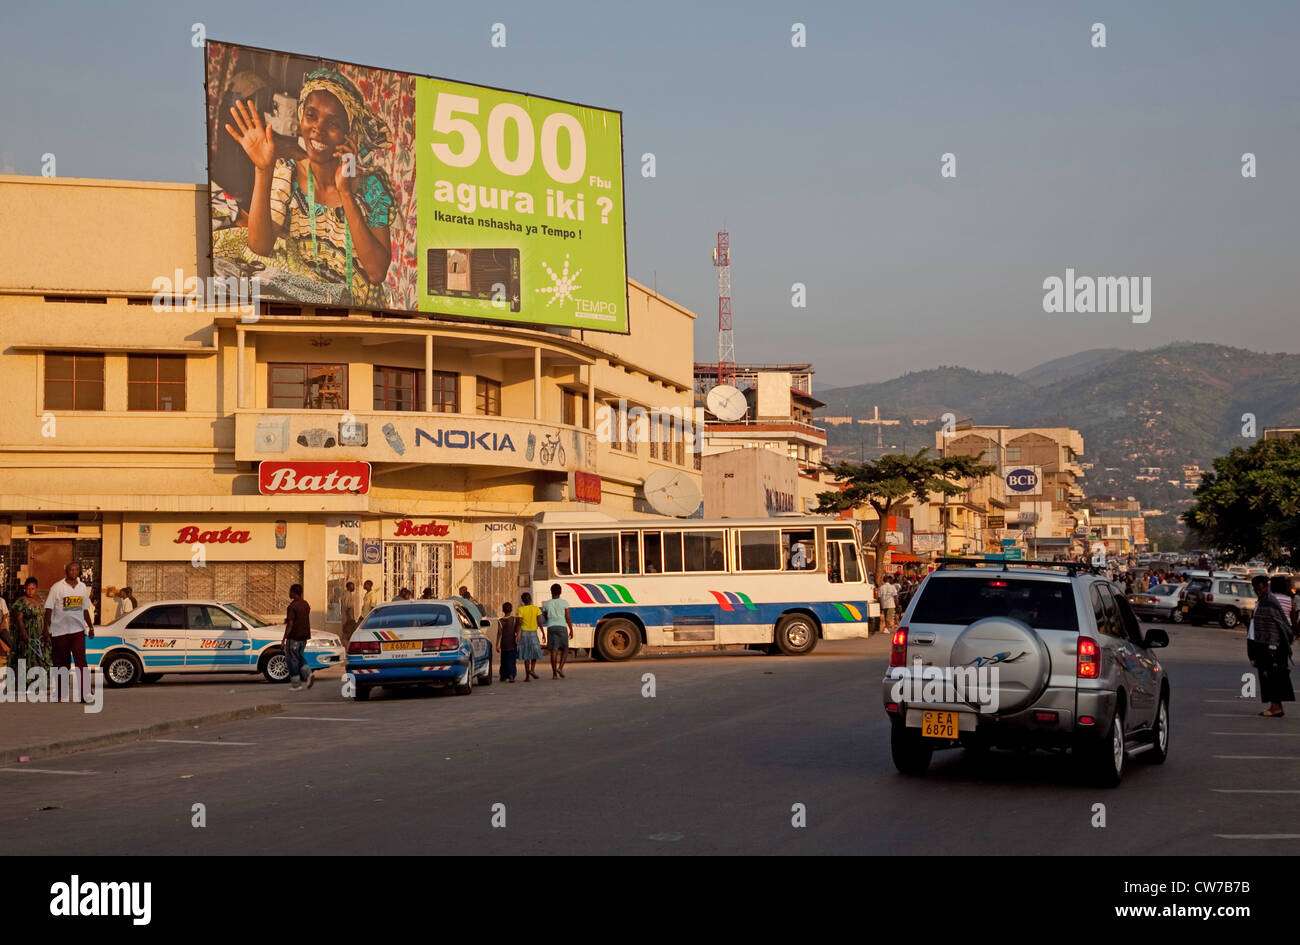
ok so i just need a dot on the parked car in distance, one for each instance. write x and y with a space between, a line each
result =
1162 602
1066 667
198 636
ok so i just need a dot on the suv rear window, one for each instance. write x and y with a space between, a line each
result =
1044 605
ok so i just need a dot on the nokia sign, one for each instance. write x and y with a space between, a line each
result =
1023 480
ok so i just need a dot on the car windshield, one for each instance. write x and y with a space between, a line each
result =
245 617
1044 605
389 618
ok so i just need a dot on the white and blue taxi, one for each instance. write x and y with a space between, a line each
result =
198 636
420 643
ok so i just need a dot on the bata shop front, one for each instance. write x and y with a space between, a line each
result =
250 563
419 552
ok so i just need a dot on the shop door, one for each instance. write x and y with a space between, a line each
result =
415 565
46 560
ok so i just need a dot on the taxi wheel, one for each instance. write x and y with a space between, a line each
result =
122 670
275 666
465 688
486 678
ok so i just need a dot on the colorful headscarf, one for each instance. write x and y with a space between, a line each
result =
368 128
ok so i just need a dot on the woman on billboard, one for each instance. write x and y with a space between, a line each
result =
324 218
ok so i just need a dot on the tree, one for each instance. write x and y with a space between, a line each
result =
890 482
1249 507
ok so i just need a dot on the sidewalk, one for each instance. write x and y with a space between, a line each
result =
176 703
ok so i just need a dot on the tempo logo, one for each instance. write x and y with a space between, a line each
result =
103 899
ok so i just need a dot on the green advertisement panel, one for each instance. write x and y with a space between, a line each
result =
520 207
335 185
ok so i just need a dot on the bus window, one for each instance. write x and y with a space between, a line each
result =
654 557
840 534
563 554
760 550
672 551
597 552
703 551
631 553
800 550
842 563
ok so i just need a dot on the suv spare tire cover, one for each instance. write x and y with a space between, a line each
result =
1015 650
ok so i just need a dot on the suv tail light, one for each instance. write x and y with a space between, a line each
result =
1089 659
357 647
441 643
898 648
1209 598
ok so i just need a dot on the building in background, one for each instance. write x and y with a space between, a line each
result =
192 451
1040 469
749 484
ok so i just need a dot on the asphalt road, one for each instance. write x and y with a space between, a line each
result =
715 762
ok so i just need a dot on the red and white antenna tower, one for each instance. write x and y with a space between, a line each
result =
726 340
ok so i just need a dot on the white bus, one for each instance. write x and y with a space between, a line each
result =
776 583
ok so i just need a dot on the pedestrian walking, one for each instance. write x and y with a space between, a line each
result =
508 643
559 627
1268 646
888 601
530 648
370 599
349 610
67 618
297 631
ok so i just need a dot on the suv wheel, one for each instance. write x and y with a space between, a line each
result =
1159 734
1230 618
910 752
1103 760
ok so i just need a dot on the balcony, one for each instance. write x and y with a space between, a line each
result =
406 437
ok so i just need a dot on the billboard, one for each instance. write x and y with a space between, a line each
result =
339 185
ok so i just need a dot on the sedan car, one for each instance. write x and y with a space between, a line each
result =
420 643
198 636
1162 602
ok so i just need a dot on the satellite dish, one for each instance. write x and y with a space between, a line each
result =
670 492
727 403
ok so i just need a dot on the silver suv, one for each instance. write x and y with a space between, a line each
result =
1025 655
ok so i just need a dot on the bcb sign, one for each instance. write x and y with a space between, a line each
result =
1024 480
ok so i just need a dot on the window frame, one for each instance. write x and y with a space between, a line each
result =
306 367
739 559
384 404
485 389
76 358
157 383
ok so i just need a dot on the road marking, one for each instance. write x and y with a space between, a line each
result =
1233 715
26 770
314 718
1258 836
1260 757
1253 791
1232 701
192 741
1283 734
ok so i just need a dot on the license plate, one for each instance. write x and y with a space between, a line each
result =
404 645
939 724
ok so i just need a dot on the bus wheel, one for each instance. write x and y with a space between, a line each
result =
796 634
617 640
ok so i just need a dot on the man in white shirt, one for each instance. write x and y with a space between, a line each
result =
888 595
67 617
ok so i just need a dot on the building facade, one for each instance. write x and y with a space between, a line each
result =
201 450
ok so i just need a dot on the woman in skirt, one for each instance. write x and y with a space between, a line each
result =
530 646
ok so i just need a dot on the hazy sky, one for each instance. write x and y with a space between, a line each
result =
824 162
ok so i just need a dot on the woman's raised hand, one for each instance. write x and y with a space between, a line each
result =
345 172
254 137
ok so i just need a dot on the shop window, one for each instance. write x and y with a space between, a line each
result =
307 386
74 381
155 382
489 397
398 388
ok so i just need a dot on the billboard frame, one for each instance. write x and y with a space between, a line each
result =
406 313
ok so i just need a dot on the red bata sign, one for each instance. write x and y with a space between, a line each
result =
586 488
190 535
408 528
275 478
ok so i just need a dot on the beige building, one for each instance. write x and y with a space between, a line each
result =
1040 471
187 450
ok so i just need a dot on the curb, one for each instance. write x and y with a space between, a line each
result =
9 756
